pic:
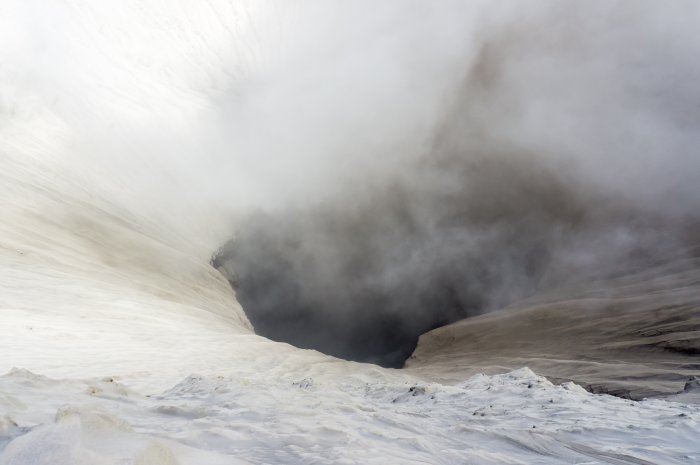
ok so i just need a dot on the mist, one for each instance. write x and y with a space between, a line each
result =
539 147
367 171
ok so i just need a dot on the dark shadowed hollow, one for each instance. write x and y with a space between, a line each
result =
362 280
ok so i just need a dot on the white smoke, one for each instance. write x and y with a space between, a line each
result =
407 161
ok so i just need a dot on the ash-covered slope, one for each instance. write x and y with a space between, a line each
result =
636 336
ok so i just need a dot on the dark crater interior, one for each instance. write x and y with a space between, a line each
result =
364 282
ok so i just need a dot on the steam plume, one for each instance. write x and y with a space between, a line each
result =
562 143
382 167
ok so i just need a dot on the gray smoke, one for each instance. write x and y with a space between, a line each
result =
381 167
434 175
